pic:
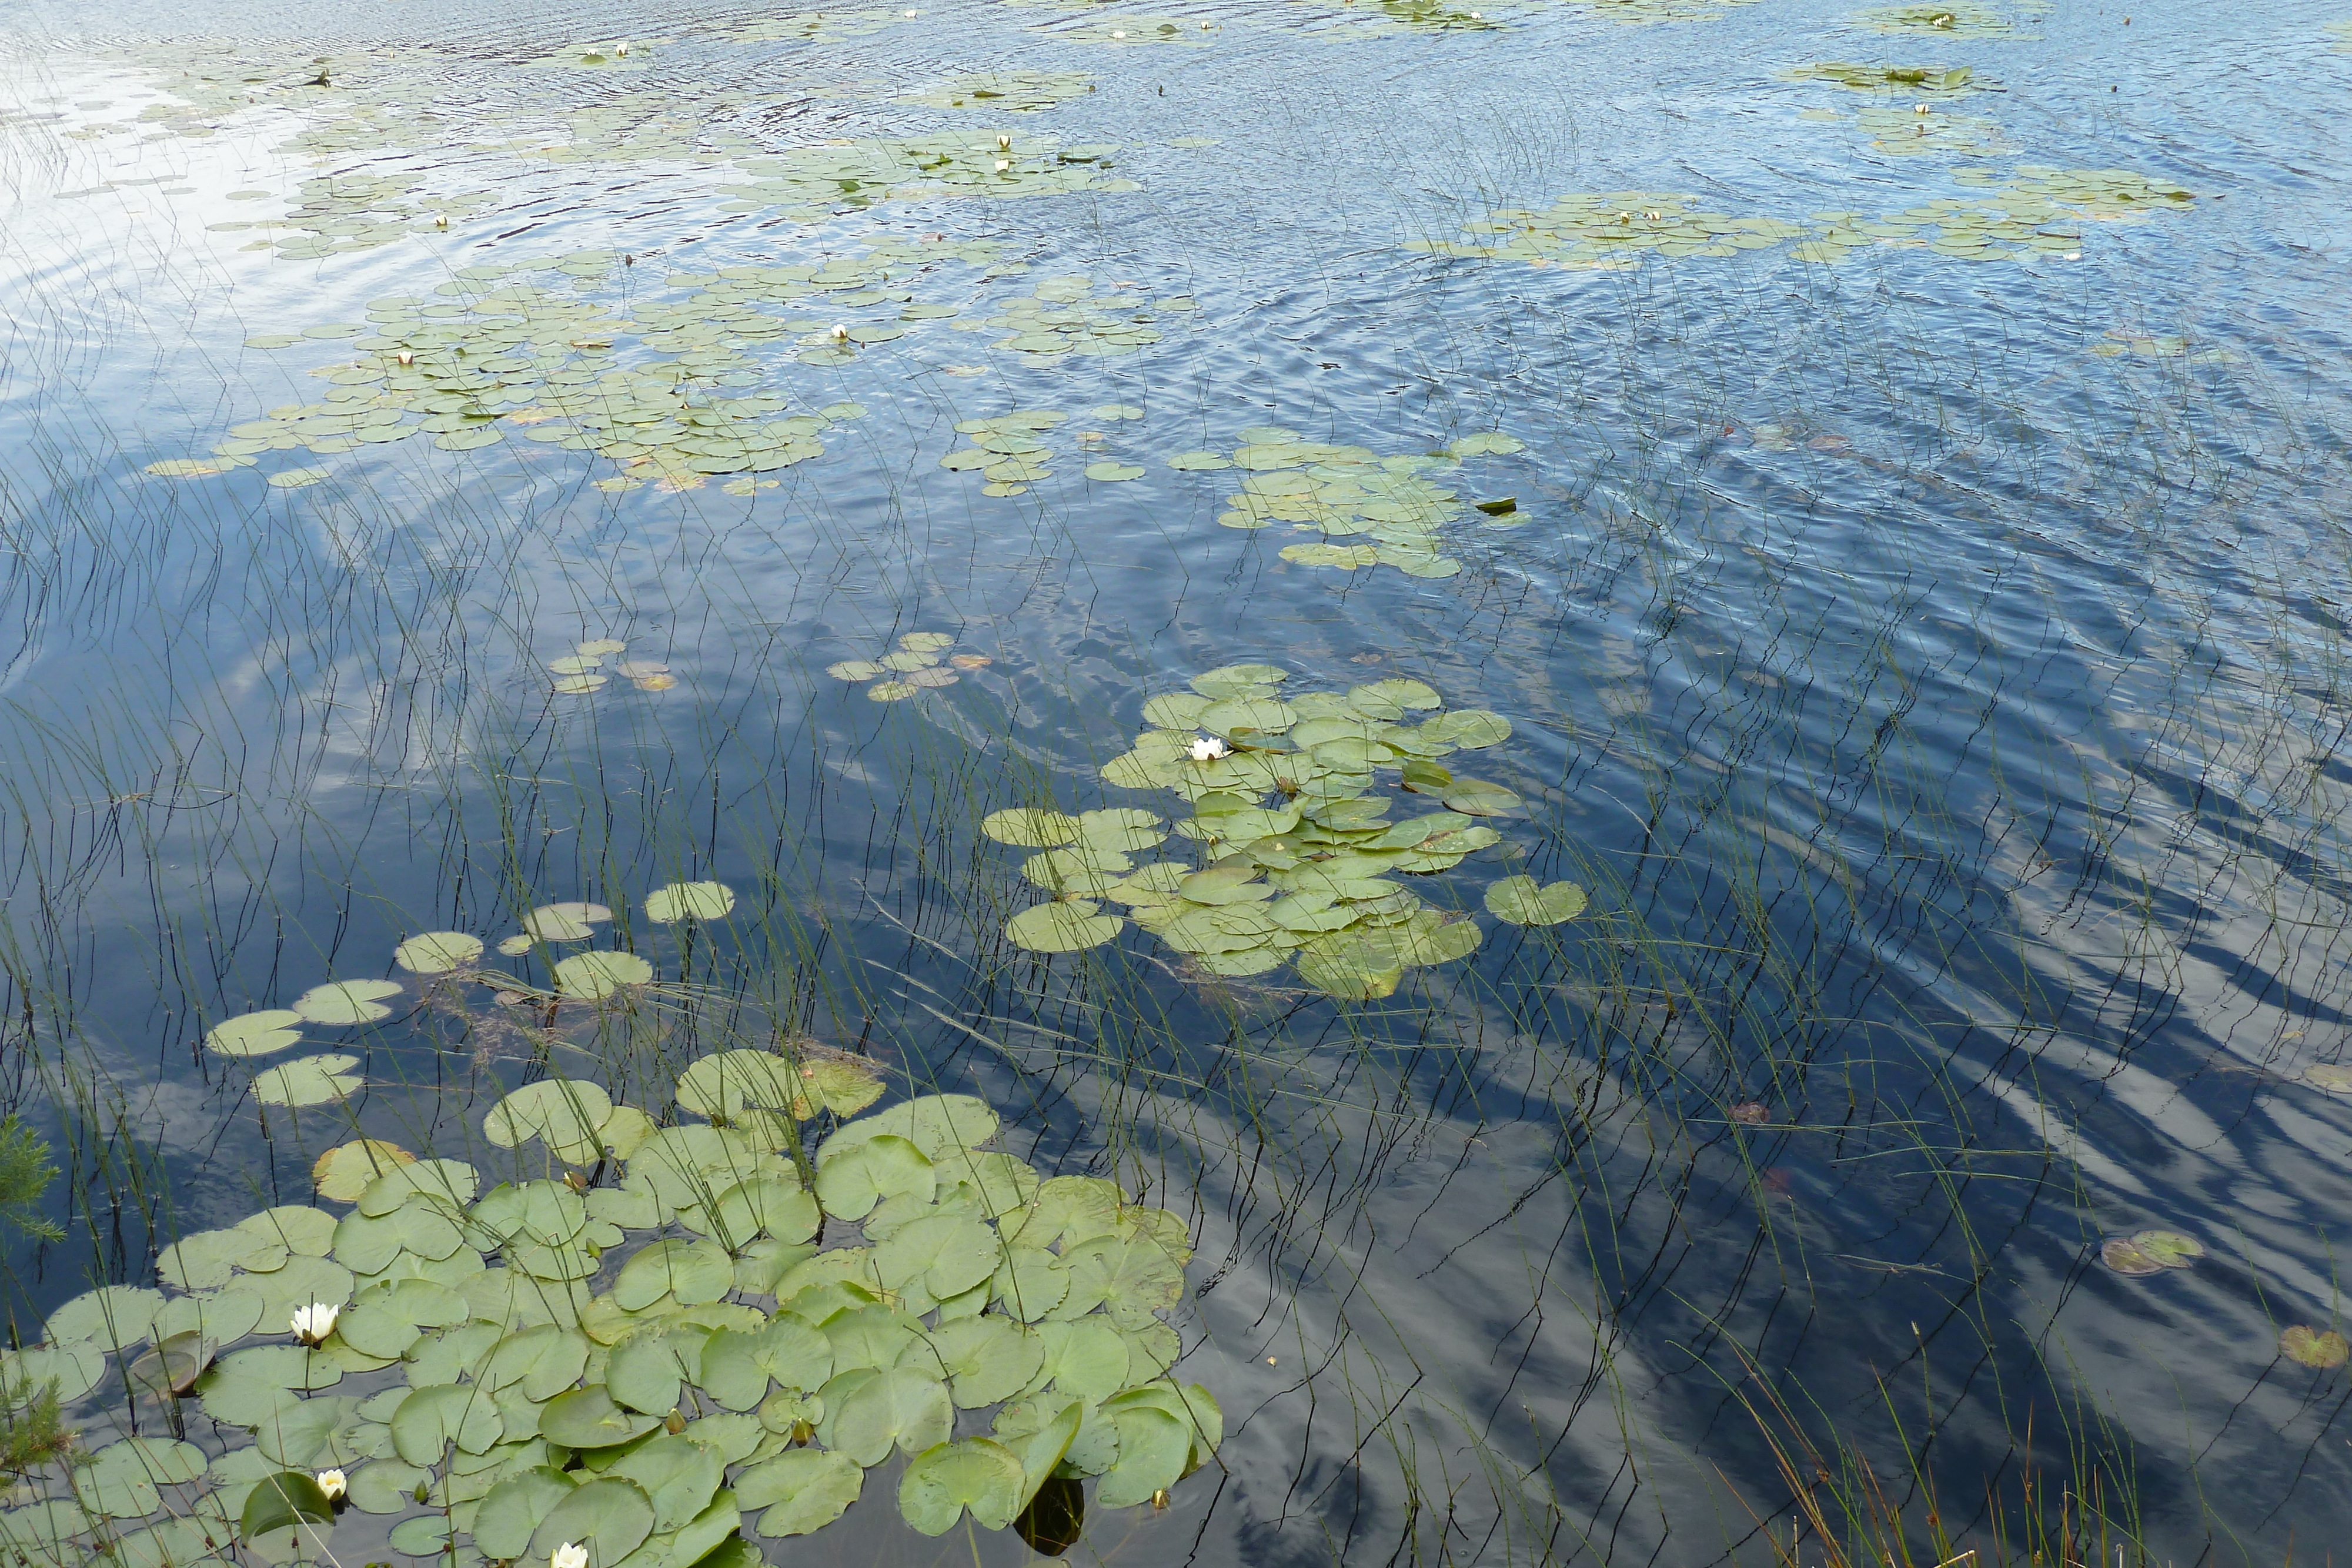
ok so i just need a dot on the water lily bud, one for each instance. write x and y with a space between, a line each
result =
674 1422
1208 748
840 333
1002 164
406 357
440 220
568 1555
1005 144
315 1322
333 1483
1159 1498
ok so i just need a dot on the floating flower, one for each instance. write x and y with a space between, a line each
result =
405 358
840 333
333 1484
622 48
1005 144
315 1322
1208 748
568 1555
440 220
1002 164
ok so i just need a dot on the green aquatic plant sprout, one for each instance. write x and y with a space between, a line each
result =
1295 845
763 1343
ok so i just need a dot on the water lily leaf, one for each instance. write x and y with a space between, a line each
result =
1062 927
448 1185
2318 1348
346 1001
1031 827
2169 1248
680 1474
592 977
542 1360
554 923
613 1513
253 1034
1088 1358
975 1473
722 1086
692 1272
987 1359
1238 680
286 1500
75 1368
1520 901
1472 728
568 1113
311 1081
2127 1259
112 1317
437 952
515 1508
1109 471
777 1206
590 1418
1153 1447
689 901
431 1418
2333 1077
849 1184
1350 970
941 1255
803 1489
1477 797
899 1409
344 1172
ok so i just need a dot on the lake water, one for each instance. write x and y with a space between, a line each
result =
1918 621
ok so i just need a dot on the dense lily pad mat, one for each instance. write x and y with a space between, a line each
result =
785 1316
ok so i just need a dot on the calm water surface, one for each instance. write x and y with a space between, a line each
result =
1925 646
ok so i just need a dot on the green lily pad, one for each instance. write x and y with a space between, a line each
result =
613 1513
692 1272
568 1113
2321 1349
802 1489
680 1474
973 1472
254 1034
514 1508
311 1081
437 952
1068 927
899 1409
592 977
1520 901
346 1001
1031 827
112 1317
590 1418
2169 1248
689 901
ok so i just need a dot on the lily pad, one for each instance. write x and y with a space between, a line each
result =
612 1513
973 1472
1520 901
437 952
1065 927
254 1034
802 1489
311 1081
689 901
592 977
2321 1349
347 1001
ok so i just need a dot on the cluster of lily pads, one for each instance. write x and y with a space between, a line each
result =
1643 12
1924 130
1341 490
1020 91
1945 18
1064 316
1007 449
592 977
913 667
2039 211
581 671
1289 811
697 1330
811 184
1911 81
1127 29
812 27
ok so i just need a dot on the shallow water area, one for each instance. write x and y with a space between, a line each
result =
1643 699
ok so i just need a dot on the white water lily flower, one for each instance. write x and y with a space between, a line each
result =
440 220
316 1321
1005 144
1208 748
1002 164
840 333
568 1555
621 48
335 1484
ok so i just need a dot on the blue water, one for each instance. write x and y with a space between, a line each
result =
1933 668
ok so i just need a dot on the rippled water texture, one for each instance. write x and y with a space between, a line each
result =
1918 621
